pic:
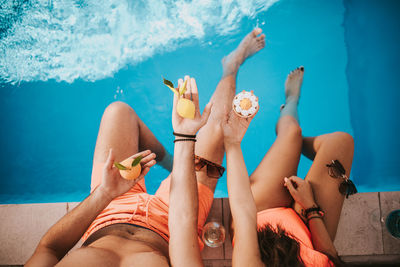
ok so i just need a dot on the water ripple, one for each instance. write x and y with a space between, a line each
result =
92 39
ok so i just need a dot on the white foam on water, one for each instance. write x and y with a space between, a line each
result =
92 39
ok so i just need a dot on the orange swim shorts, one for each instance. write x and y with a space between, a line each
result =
137 207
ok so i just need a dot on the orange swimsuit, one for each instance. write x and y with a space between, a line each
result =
139 208
288 219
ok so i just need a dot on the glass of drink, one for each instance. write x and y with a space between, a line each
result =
213 234
393 223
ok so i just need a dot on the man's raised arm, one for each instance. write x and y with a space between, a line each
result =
183 199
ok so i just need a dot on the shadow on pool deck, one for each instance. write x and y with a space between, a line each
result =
361 240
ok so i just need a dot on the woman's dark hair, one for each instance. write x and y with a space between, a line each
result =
277 248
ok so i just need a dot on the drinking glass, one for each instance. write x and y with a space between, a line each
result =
213 234
393 223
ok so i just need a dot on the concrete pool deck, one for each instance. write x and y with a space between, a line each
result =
362 238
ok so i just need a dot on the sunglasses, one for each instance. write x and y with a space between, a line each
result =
336 170
213 170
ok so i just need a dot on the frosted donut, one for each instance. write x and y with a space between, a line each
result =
245 104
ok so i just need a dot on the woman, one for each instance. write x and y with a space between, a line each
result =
267 229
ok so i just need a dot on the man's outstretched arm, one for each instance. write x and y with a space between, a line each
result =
183 211
183 198
63 235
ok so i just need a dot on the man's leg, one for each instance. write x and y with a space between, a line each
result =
122 130
210 143
283 157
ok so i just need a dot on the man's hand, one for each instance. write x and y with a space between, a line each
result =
189 126
113 185
62 236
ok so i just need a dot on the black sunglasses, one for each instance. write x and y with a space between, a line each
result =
336 170
213 170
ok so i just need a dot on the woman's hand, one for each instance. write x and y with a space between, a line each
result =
189 126
113 185
234 128
301 191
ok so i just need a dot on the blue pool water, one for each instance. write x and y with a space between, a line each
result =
62 64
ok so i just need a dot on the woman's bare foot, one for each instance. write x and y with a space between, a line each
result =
293 84
292 92
251 44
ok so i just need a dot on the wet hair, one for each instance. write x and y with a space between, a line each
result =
277 248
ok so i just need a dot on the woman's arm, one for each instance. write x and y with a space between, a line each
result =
302 193
183 199
244 212
238 182
62 236
320 237
243 209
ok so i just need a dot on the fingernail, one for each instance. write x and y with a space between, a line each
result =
285 179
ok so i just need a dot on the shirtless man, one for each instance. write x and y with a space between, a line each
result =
121 224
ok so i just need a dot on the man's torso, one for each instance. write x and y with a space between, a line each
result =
120 245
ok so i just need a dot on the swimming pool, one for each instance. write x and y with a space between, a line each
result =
54 91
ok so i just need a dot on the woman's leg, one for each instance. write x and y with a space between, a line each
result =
122 130
210 143
323 149
283 157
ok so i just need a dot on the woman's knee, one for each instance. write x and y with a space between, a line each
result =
337 144
341 139
288 127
